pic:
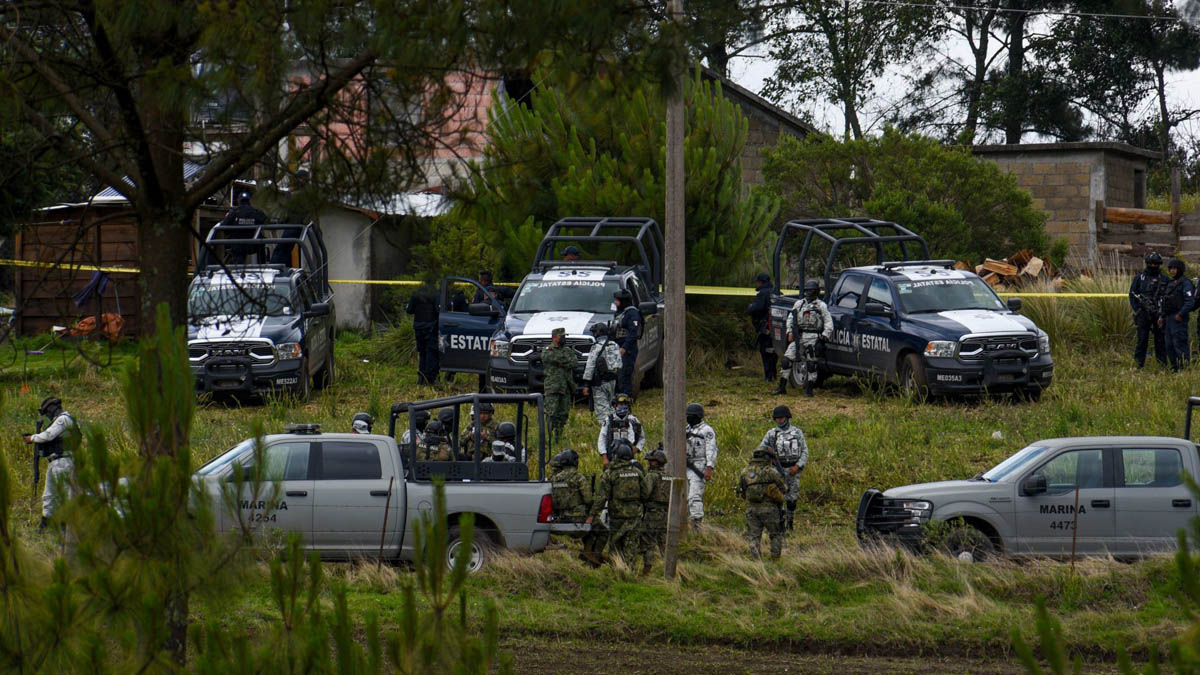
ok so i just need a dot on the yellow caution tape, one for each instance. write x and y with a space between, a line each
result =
690 290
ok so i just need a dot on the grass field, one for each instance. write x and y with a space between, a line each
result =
826 596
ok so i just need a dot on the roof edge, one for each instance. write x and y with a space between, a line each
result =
1073 146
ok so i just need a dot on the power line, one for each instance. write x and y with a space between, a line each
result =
1008 10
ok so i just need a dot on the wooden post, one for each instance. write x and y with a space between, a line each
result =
674 392
1101 218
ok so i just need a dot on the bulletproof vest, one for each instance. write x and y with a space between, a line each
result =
660 494
566 497
808 317
1153 286
620 428
1173 296
620 331
434 450
626 501
601 369
787 445
755 477
56 447
245 214
696 444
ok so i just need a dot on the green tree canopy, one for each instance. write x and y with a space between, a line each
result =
597 147
965 207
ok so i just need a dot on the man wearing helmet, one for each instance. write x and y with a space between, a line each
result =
623 489
434 447
55 444
1145 297
242 214
361 424
571 494
762 487
701 460
760 312
502 451
655 522
600 372
621 424
487 426
1179 298
559 360
419 420
808 326
786 443
506 433
628 322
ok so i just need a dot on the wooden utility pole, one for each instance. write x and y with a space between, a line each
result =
674 392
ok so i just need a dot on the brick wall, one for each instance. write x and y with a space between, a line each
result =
1061 187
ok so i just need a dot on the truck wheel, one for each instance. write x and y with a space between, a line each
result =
913 381
324 379
968 544
303 390
480 552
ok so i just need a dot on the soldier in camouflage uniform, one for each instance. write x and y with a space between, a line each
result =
434 446
786 443
621 424
655 521
559 362
571 493
762 488
420 420
600 373
622 488
487 427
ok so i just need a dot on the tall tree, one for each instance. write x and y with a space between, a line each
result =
119 87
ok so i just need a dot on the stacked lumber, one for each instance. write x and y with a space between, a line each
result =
1015 270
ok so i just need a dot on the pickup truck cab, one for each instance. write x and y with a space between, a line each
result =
262 328
922 324
1109 495
342 492
500 343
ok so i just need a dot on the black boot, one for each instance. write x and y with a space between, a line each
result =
42 526
808 388
791 517
782 388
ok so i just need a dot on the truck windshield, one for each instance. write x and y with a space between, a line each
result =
575 295
1015 463
222 460
205 300
946 295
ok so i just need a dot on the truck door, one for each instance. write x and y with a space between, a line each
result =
843 353
464 339
1152 501
291 508
876 333
1046 522
351 491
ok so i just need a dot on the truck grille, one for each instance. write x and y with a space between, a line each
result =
976 348
524 349
260 351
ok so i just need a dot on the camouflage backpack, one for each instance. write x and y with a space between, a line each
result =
661 492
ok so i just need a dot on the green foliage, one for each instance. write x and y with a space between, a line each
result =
965 207
597 147
1092 323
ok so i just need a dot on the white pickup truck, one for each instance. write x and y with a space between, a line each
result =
345 493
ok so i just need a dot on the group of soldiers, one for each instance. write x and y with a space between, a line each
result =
436 437
809 326
1162 304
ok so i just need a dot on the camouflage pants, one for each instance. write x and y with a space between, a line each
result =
558 411
759 517
594 540
655 526
626 538
602 399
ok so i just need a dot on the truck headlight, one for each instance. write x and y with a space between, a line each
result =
500 349
916 508
941 349
288 350
1044 343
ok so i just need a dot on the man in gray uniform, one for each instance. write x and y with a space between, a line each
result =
808 326
54 444
787 443
701 460
600 372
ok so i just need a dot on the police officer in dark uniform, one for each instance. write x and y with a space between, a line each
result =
424 310
760 311
1178 299
242 214
1145 297
629 329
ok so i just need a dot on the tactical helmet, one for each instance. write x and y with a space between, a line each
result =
50 406
624 296
507 431
1176 263
243 197
567 457
500 447
763 277
657 455
623 449
761 453
812 285
434 429
362 422
599 329
571 250
781 411
486 408
1153 259
446 417
694 413
420 419
623 398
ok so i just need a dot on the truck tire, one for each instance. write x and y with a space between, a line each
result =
324 379
967 543
303 390
913 381
482 549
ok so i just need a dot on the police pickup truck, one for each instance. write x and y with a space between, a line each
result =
500 343
909 320
343 492
1109 495
261 327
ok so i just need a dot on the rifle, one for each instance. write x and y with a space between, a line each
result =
37 464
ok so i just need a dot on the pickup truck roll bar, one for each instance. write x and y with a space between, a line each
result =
1192 402
313 254
472 469
896 264
643 233
839 233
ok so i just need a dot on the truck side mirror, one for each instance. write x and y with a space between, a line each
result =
648 307
1034 484
318 309
1014 304
482 309
877 309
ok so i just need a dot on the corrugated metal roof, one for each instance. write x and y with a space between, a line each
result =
110 194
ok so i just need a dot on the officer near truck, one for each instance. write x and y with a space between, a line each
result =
701 460
809 325
622 424
1179 299
558 359
600 372
628 329
54 443
760 313
786 443
571 495
1145 298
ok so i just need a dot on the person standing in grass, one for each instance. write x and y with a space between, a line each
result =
762 487
623 489
571 494
1145 297
786 442
559 361
1178 299
655 522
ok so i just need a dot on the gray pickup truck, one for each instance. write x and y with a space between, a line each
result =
1095 495
343 492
